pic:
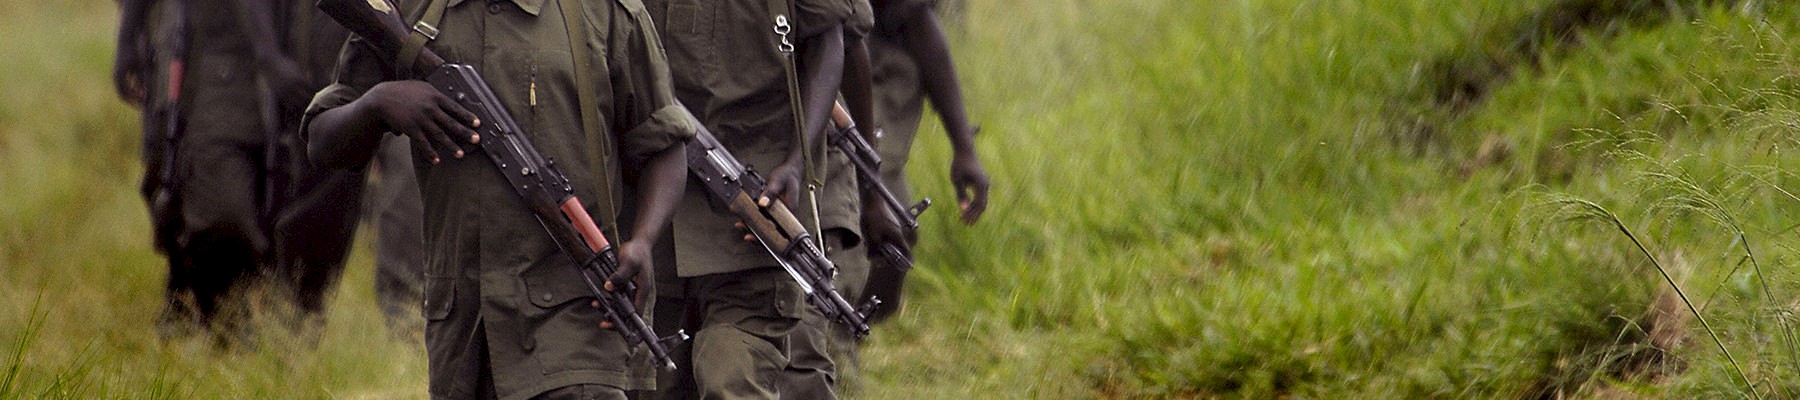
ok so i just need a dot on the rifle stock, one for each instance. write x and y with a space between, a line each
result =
535 178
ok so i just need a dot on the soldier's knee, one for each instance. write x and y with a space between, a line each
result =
731 363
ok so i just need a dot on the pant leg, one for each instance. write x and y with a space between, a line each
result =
583 392
824 352
220 176
399 240
743 344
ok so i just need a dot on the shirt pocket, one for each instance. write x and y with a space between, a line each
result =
688 29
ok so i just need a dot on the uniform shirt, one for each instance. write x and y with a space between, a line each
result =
729 72
489 264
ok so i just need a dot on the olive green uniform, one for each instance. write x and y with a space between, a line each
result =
319 212
507 315
399 239
825 359
213 234
729 72
899 91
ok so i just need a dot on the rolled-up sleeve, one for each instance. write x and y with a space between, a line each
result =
357 71
644 93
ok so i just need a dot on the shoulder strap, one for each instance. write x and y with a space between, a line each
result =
424 29
778 13
590 110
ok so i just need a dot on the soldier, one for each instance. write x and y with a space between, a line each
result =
504 317
317 217
912 61
212 78
731 66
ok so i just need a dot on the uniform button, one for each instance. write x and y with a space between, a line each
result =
530 343
548 297
493 7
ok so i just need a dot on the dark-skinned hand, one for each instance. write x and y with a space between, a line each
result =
971 183
784 183
129 65
634 259
416 110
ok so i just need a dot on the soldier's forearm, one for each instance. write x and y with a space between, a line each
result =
256 18
930 48
660 187
344 137
821 70
859 96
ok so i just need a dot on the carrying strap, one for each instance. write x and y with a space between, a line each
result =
591 125
424 30
778 13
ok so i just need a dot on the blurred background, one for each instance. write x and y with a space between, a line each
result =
1193 199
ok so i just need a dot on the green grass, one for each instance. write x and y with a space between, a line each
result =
1192 199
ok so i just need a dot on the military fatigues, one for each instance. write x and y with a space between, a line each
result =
212 231
320 209
399 240
729 72
507 315
824 351
899 91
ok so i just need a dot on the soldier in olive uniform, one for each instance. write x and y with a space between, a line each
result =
320 208
731 65
212 77
912 62
506 313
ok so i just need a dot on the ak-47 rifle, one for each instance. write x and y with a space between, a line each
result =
867 161
734 185
165 204
535 178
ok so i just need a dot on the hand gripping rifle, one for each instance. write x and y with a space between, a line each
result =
535 178
868 171
732 184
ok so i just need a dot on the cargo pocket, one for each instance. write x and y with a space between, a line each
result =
553 280
440 294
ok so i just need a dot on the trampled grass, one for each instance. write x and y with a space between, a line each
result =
1192 199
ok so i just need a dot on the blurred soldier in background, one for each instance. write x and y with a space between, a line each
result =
231 198
911 57
208 73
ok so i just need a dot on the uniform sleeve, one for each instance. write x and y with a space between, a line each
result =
892 14
813 17
357 71
644 93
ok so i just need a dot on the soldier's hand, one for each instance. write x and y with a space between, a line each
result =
881 226
784 183
971 183
129 65
634 259
416 110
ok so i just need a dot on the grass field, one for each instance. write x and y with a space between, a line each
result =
1193 199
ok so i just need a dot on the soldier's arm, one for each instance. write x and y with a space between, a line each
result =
346 137
256 19
820 68
930 48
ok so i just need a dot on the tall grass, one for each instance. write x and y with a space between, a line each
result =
1191 199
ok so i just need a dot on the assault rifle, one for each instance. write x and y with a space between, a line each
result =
535 178
868 171
733 185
